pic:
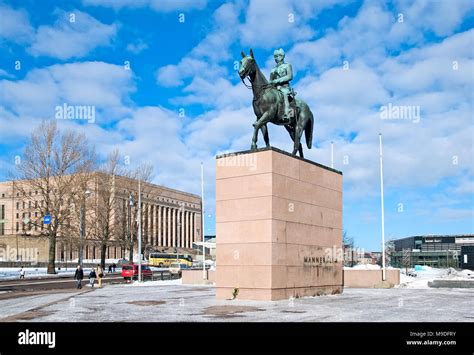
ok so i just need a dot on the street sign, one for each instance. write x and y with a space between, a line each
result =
47 219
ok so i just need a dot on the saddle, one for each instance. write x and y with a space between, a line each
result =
293 108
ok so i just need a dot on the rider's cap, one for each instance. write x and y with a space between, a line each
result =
279 51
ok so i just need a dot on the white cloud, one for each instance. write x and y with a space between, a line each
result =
100 84
204 60
270 23
137 47
5 74
15 25
440 17
157 5
67 39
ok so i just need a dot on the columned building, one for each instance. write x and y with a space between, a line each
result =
170 220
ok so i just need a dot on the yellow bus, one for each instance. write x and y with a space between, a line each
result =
165 260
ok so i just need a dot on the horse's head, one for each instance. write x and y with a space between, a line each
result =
247 65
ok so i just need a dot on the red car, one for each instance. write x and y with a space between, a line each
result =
130 271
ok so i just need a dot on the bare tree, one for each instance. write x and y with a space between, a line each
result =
348 245
389 253
50 180
128 214
108 211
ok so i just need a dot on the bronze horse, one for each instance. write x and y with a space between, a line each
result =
268 107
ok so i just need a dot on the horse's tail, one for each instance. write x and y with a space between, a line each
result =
308 130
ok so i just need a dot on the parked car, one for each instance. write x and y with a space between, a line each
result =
130 271
121 262
176 269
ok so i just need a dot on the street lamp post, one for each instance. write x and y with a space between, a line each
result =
382 208
139 232
130 204
202 227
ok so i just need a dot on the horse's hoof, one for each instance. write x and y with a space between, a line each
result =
253 147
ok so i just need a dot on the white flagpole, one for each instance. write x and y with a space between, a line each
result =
332 155
381 203
203 218
139 232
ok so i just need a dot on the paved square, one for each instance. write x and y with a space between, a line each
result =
168 302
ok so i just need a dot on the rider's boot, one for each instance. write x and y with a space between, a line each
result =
286 114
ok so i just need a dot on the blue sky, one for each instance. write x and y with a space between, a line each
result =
161 75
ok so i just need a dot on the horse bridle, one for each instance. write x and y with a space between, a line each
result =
251 84
265 86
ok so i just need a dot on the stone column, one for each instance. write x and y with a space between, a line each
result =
182 240
185 228
157 221
168 229
173 213
190 241
160 234
191 233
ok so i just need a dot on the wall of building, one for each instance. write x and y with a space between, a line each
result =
194 277
369 278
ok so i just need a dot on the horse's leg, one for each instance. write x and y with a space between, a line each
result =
292 135
265 135
297 140
254 137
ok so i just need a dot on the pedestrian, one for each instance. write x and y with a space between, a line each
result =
110 268
100 275
113 267
92 277
22 273
78 276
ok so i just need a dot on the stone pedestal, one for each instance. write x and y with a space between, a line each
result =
279 226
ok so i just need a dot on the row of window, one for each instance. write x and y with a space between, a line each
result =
29 204
24 194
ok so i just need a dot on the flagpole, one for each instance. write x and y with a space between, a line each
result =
203 218
332 155
381 203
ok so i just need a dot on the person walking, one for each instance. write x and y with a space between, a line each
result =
22 273
78 276
100 275
92 277
113 267
110 268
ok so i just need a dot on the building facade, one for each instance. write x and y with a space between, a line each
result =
430 250
171 219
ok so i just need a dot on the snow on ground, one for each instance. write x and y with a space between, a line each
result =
13 273
197 303
420 276
156 283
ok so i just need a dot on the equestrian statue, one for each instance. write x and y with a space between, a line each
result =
274 101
